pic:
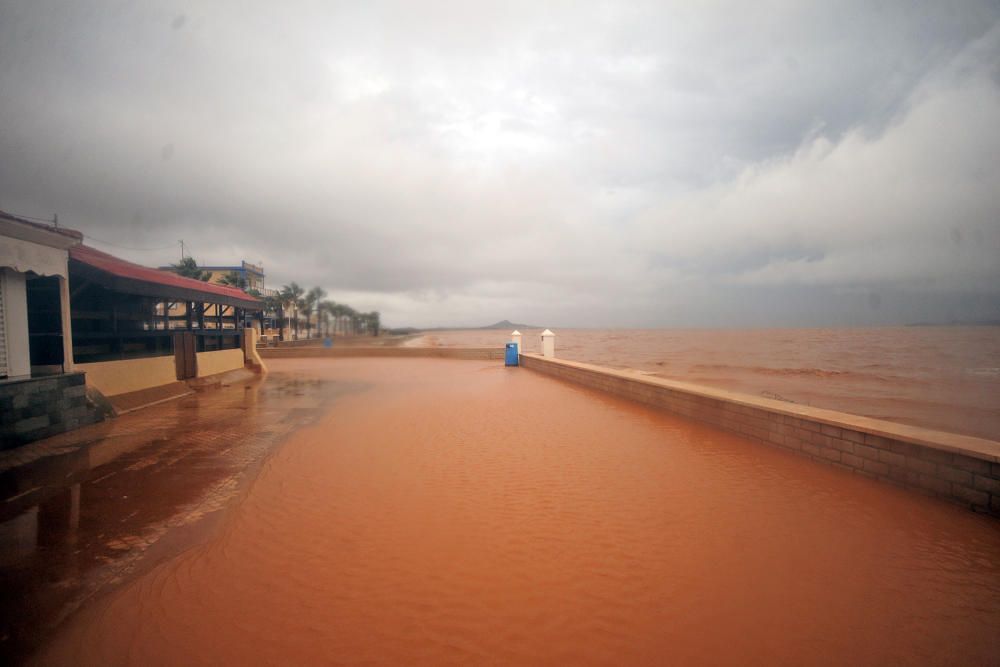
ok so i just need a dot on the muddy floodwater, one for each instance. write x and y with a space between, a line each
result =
452 512
944 377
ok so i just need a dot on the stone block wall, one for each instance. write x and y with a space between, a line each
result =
37 408
958 468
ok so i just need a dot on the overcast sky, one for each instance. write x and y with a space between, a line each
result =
565 164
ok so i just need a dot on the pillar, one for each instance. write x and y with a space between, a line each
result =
67 324
548 344
15 304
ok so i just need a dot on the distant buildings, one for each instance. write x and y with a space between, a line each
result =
250 276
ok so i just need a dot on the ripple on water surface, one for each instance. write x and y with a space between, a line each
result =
451 515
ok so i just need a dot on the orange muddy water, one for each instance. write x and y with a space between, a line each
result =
944 378
459 512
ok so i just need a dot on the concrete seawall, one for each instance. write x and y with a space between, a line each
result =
478 353
961 469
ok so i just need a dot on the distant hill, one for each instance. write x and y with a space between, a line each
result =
502 324
507 324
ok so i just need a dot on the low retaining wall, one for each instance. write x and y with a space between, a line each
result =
127 375
962 469
219 361
481 353
300 342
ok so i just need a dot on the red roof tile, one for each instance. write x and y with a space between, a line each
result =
123 269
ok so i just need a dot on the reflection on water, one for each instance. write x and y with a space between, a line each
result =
93 501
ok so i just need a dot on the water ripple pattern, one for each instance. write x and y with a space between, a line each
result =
462 513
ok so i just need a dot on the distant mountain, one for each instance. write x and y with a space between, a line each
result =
507 324
502 324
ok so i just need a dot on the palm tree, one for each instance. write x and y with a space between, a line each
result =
320 318
338 310
326 309
351 316
309 303
374 320
188 268
232 279
291 295
274 304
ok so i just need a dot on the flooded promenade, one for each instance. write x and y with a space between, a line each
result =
424 511
945 378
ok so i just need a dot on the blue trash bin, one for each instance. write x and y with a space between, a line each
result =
510 358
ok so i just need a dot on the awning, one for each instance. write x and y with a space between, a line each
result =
120 276
30 246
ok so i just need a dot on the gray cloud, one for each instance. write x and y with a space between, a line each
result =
452 164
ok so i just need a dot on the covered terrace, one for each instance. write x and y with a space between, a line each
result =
126 312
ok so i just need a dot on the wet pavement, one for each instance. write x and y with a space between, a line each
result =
83 511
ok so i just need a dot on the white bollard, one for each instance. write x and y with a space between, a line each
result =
548 344
515 337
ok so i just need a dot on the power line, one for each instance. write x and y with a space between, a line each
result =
34 219
54 221
125 247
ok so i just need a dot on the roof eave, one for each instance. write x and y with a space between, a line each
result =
23 230
144 288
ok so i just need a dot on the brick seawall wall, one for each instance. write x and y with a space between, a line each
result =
480 353
37 408
961 469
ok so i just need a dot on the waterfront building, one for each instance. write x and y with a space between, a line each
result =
137 327
76 321
41 393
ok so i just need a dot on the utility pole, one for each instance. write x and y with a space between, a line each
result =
182 248
55 220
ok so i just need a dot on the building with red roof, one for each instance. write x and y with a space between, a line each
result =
67 309
128 278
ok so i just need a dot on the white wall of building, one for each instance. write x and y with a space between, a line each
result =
15 319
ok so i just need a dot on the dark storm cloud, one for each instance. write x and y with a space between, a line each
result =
451 163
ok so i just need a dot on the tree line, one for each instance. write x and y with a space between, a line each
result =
331 317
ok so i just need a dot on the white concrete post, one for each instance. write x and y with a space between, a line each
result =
515 337
548 344
249 343
15 304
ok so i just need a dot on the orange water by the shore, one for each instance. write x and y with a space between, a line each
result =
464 513
945 378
